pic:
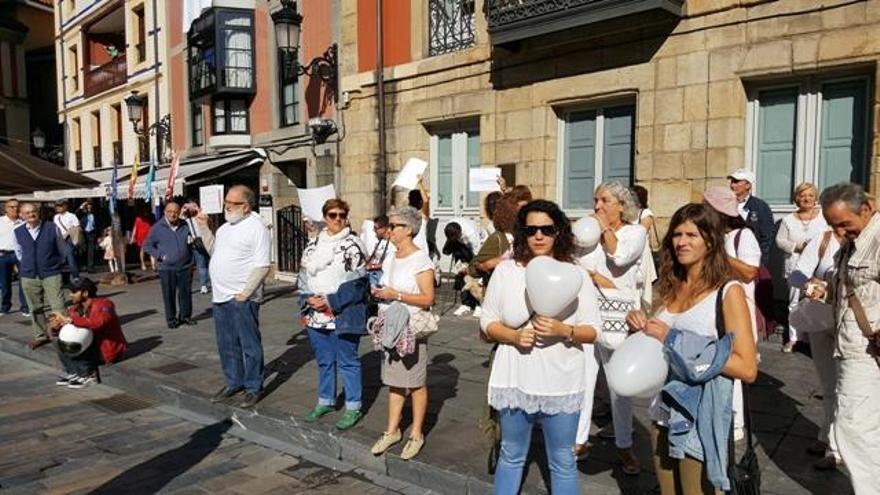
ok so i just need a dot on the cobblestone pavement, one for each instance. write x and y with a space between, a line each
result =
101 441
786 402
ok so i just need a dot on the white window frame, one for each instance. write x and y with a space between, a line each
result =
460 134
599 156
808 130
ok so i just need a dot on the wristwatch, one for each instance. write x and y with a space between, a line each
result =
399 297
570 338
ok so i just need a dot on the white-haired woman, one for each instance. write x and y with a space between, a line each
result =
615 263
408 278
795 231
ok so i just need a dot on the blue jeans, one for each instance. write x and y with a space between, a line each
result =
237 327
202 265
7 263
337 351
516 435
70 259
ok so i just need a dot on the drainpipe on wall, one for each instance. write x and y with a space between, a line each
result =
380 96
157 106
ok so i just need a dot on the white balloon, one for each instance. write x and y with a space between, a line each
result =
586 232
552 285
74 340
638 367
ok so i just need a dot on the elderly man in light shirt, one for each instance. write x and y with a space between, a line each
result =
855 293
240 260
8 260
65 221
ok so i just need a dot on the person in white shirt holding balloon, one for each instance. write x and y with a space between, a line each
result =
613 260
541 309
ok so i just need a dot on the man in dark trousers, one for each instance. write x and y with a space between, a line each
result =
168 242
98 315
754 210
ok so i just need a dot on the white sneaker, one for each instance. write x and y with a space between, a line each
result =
64 380
81 382
738 433
204 289
477 312
462 310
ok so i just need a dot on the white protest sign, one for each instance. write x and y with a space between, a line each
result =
409 175
210 199
312 201
484 179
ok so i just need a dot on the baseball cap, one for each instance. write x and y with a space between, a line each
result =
722 200
743 174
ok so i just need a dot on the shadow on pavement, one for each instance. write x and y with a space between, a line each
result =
442 386
153 475
142 346
135 316
284 366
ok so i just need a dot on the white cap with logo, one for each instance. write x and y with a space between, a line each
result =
743 174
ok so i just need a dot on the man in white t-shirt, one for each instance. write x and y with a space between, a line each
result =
8 260
240 260
66 221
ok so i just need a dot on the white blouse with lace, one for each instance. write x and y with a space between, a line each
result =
550 377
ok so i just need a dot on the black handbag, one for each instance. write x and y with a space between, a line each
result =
745 475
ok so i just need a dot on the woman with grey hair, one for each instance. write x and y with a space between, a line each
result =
615 263
408 278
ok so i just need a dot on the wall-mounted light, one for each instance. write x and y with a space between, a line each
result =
288 26
321 129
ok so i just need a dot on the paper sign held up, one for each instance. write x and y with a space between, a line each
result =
409 175
484 179
312 201
211 199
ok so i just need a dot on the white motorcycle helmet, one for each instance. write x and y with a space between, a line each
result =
74 340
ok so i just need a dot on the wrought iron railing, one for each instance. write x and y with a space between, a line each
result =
144 149
291 238
107 76
78 160
96 155
117 152
450 25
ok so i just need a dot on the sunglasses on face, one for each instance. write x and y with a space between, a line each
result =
333 215
547 230
395 225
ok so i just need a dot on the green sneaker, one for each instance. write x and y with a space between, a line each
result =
316 413
348 419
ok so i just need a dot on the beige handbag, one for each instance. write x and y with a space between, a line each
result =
423 324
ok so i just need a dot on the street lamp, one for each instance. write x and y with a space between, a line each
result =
52 153
39 138
288 25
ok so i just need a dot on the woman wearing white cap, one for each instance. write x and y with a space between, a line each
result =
795 231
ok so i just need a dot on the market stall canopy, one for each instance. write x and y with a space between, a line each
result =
21 173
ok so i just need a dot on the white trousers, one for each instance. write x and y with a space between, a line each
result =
621 409
822 348
857 424
794 297
591 370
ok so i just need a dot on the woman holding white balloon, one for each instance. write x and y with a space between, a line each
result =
694 268
541 309
614 264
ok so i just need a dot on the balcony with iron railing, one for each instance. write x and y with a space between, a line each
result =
96 155
516 20
107 76
78 160
117 152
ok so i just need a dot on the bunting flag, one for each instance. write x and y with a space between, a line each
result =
148 183
134 176
113 188
172 176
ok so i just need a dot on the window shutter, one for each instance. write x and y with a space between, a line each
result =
579 173
777 126
444 171
617 158
473 161
842 140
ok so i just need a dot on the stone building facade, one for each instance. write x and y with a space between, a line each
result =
673 99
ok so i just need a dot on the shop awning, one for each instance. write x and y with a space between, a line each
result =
21 173
102 176
195 171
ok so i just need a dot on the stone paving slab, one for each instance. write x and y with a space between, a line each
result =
147 451
786 403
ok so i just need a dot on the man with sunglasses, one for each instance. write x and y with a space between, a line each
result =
97 314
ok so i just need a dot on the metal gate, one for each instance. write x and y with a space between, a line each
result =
291 238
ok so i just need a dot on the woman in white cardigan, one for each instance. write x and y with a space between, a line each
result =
795 231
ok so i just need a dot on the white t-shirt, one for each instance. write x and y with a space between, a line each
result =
421 238
65 221
749 252
7 233
809 265
793 232
622 267
239 249
549 377
400 274
645 213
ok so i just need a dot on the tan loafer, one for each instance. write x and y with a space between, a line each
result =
385 442
631 466
412 448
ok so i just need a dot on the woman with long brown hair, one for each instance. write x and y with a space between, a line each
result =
693 269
